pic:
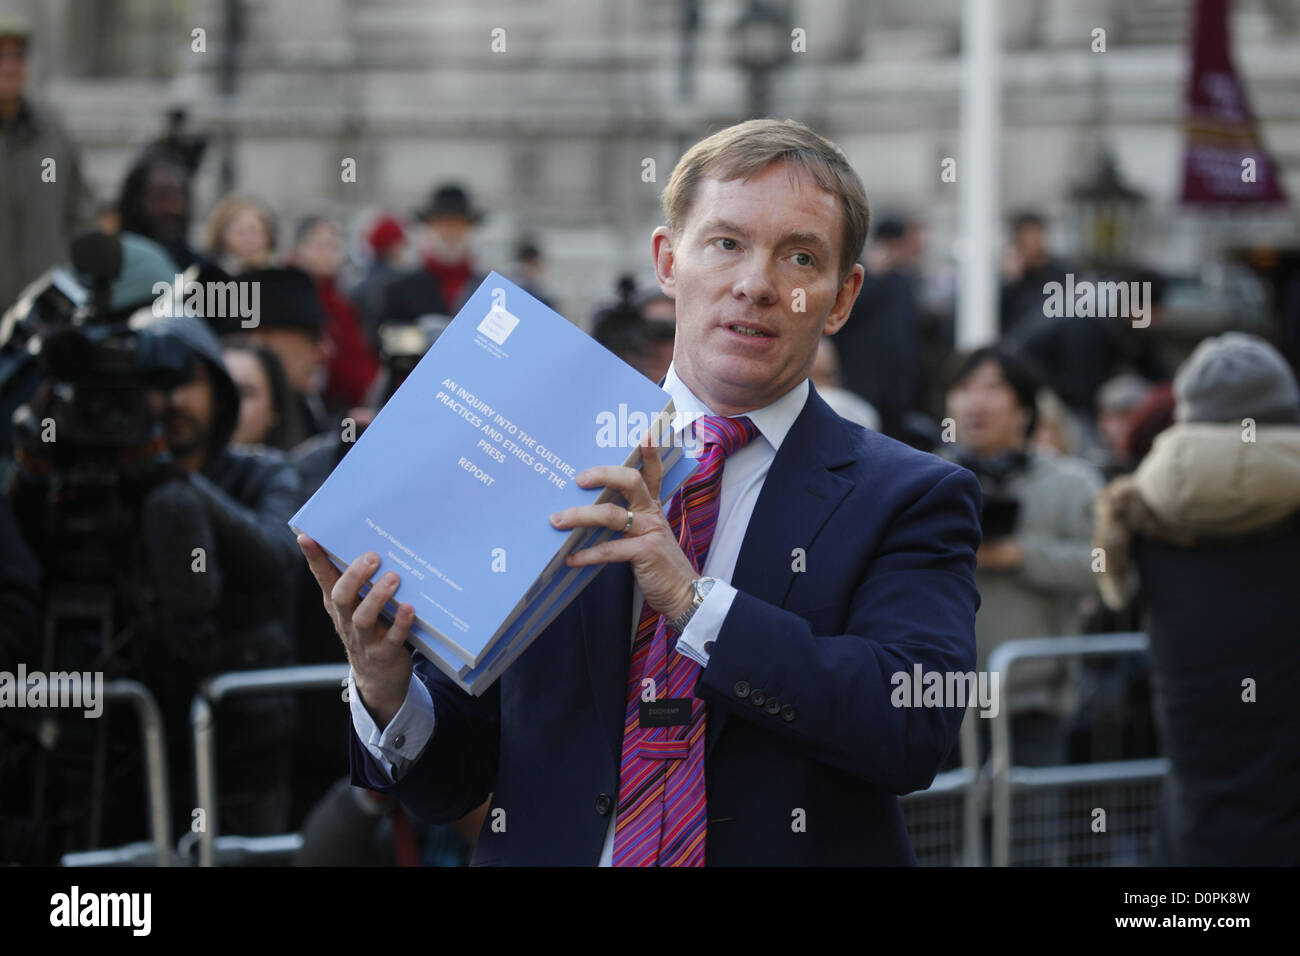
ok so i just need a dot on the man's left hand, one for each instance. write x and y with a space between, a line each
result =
662 570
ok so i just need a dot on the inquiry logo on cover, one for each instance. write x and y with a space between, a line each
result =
498 324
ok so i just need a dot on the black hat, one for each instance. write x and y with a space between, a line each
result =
288 299
449 201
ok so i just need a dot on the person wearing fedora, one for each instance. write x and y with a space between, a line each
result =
446 275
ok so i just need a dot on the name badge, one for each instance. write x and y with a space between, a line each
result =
671 712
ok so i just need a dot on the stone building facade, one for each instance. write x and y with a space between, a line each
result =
549 109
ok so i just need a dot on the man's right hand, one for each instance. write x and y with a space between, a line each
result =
381 665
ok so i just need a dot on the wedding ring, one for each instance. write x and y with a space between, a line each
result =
628 527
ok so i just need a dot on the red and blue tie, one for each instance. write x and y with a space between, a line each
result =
662 819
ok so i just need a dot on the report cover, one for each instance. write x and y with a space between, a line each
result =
454 481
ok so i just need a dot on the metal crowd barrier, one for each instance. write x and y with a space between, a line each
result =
1040 815
157 850
1045 815
943 821
237 850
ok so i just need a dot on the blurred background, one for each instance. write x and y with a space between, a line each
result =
549 135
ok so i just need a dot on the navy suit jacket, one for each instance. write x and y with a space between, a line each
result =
805 752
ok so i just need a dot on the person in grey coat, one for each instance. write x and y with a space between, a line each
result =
43 200
1035 564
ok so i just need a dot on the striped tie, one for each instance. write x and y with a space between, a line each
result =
662 817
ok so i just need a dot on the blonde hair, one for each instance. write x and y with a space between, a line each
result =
746 149
226 209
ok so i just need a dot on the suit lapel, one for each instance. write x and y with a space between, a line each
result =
798 497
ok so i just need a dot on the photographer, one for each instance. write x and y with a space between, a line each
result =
1035 562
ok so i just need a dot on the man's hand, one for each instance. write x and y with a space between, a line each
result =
663 571
1001 555
381 665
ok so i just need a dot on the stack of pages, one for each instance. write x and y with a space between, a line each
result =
454 482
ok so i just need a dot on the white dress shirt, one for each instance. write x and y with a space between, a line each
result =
399 744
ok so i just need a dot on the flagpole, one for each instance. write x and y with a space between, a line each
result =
977 174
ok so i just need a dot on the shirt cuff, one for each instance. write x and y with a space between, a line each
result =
399 744
706 623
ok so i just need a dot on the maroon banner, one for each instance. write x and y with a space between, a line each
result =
1225 160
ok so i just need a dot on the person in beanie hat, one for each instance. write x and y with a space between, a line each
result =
386 239
1209 524
1236 376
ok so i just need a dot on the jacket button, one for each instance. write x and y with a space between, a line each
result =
741 689
603 804
773 706
788 713
757 697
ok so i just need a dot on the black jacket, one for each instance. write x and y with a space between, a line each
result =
1220 616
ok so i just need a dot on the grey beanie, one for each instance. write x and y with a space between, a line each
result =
1234 376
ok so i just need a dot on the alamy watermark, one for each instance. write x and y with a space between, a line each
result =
210 300
73 689
921 688
624 428
1086 299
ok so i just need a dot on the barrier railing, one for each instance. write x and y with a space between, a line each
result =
943 821
242 849
1130 787
153 739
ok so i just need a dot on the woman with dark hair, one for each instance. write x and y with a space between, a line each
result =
268 414
1034 565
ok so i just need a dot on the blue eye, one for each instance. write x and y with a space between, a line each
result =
805 256
730 247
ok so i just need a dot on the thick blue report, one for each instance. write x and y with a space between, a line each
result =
454 481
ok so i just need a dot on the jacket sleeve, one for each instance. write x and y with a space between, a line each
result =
914 605
458 768
260 536
1060 558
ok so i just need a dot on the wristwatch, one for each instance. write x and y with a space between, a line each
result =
701 586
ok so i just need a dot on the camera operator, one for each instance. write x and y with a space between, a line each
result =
1034 565
134 499
248 495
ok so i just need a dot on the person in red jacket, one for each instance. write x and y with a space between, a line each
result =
318 250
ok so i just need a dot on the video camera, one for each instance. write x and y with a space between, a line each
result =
86 373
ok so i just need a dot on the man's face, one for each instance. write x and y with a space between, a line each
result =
447 239
190 410
1114 425
165 205
13 68
1031 243
985 410
754 274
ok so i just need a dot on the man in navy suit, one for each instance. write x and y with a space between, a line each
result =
840 560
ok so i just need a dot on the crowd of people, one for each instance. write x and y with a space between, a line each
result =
1120 494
